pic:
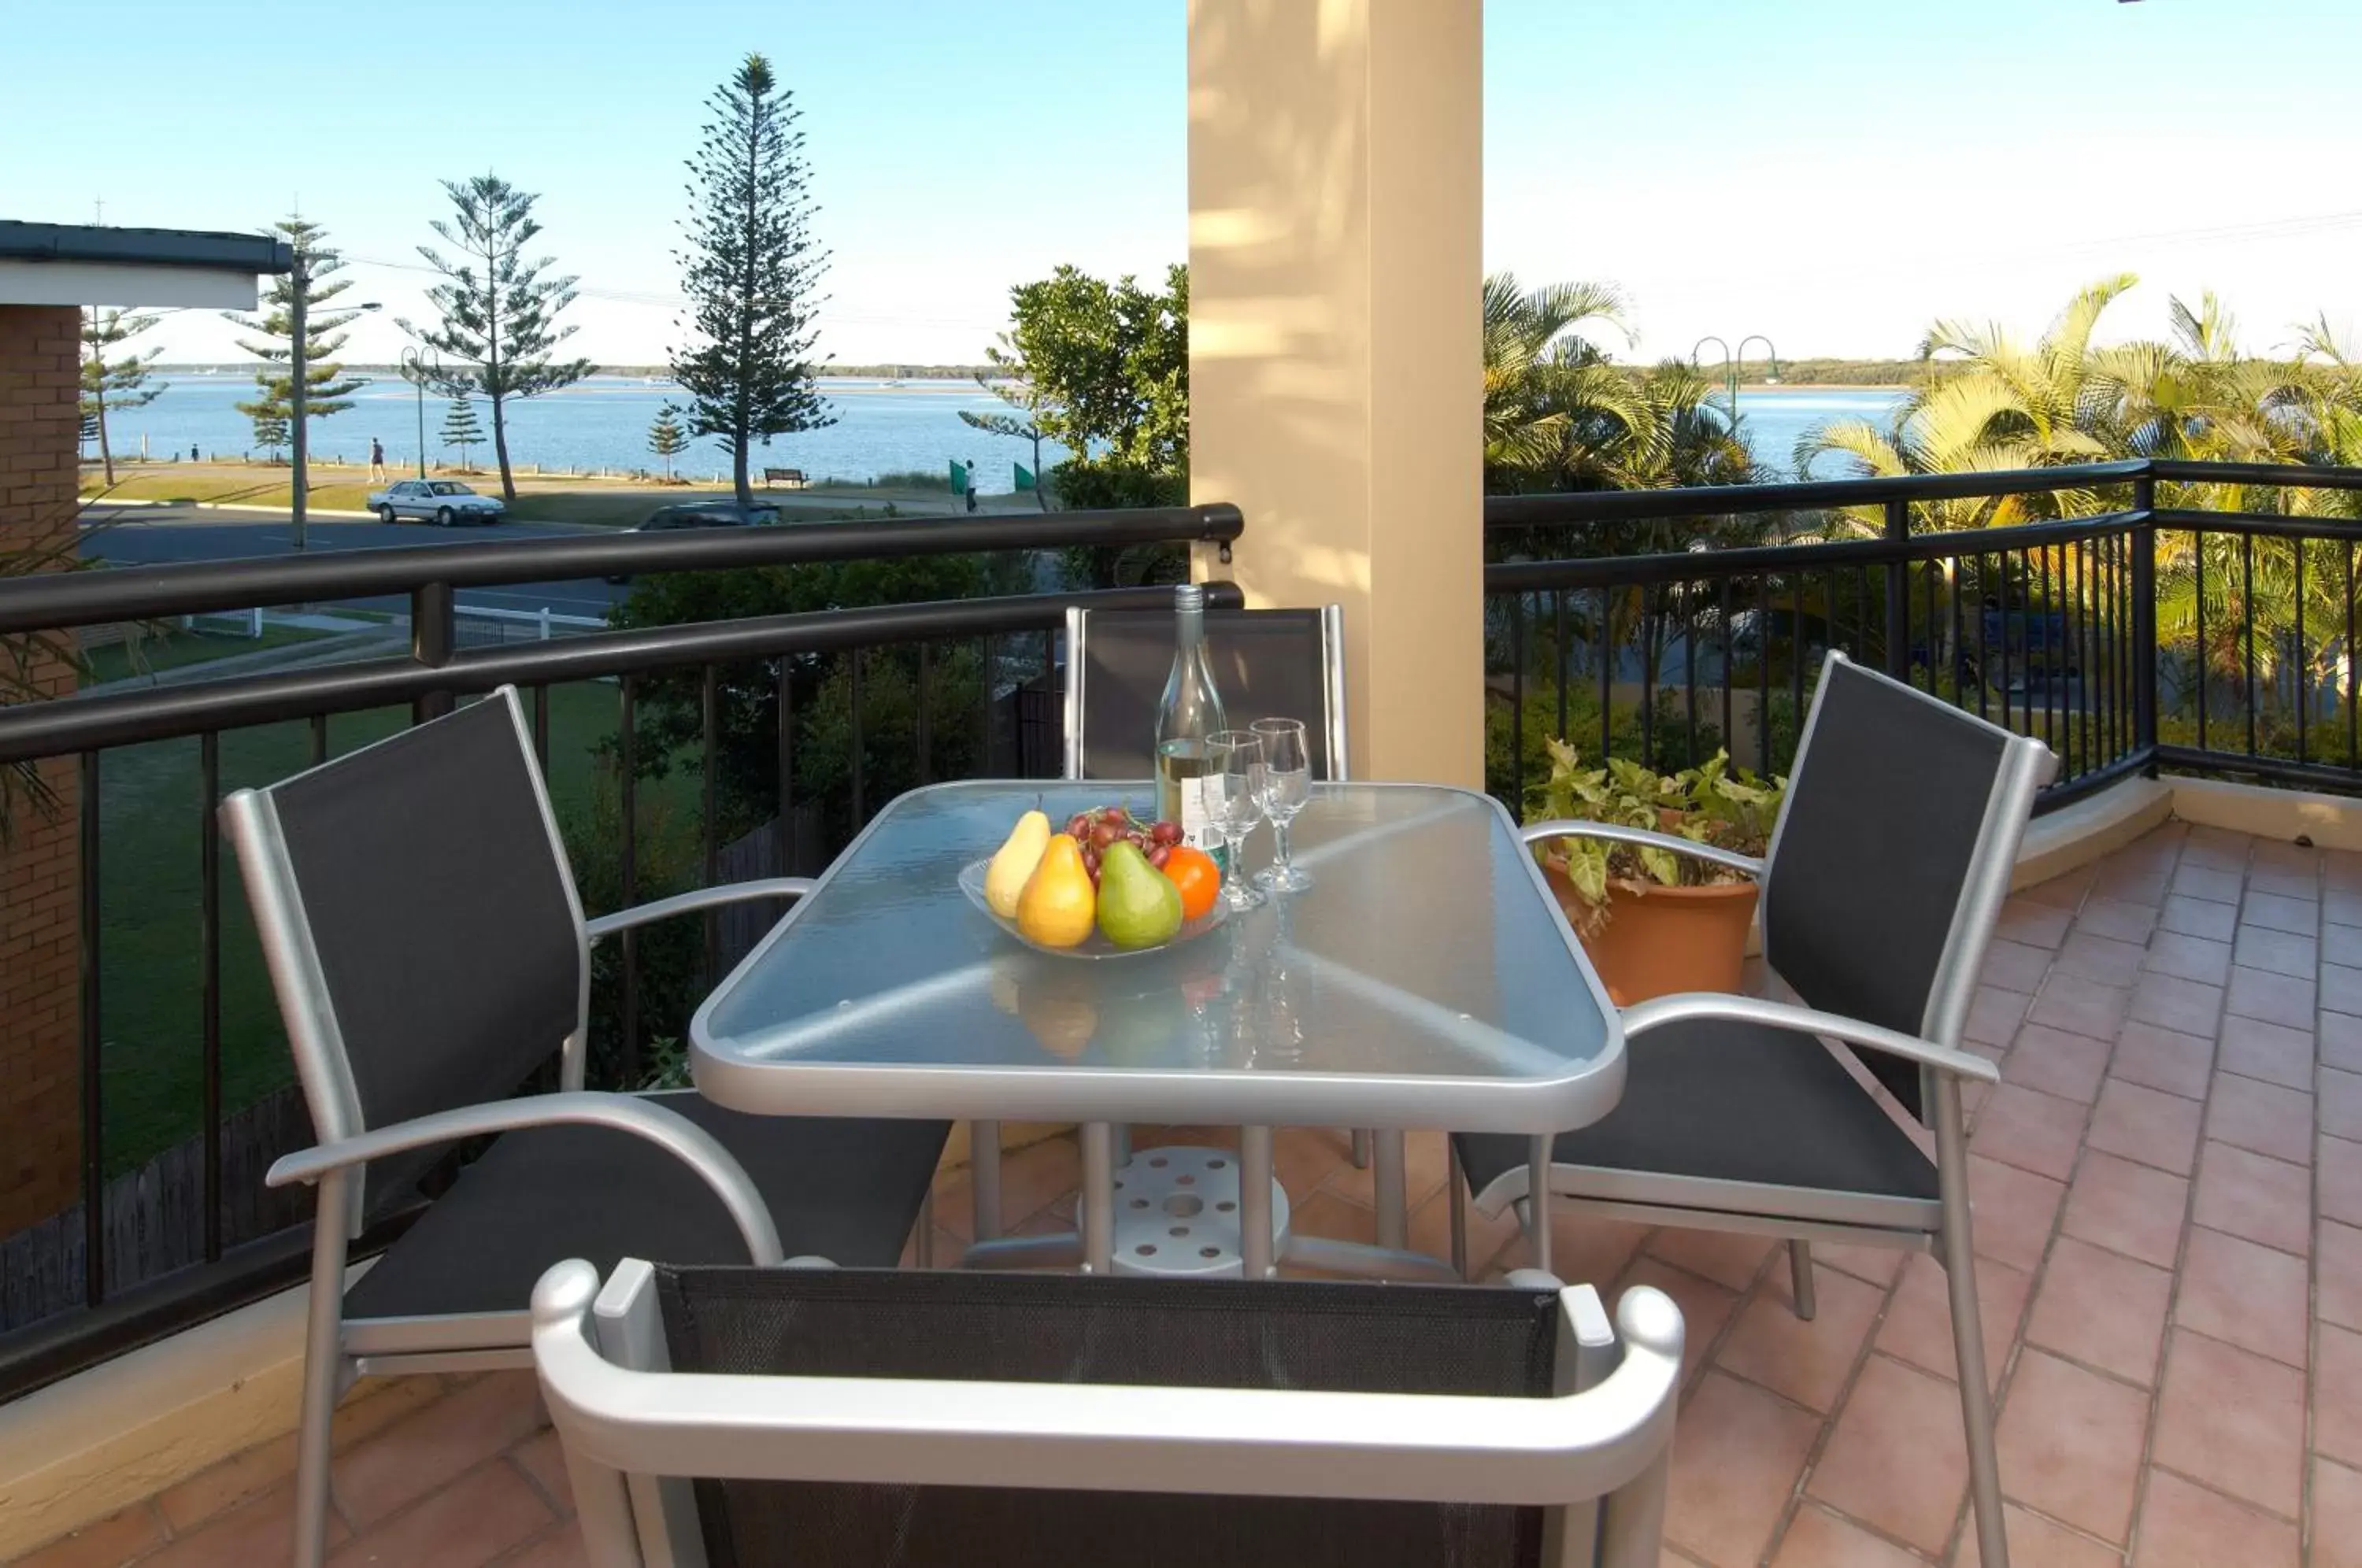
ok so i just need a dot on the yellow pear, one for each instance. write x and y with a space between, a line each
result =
1013 863
1059 904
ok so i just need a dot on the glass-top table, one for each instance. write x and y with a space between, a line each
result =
1426 980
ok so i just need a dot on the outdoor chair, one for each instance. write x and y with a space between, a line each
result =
1885 874
858 1419
429 952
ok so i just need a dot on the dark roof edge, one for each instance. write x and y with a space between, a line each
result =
251 253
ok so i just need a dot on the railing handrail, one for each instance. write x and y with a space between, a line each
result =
51 601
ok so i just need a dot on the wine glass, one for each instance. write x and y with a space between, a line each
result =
1233 769
1283 785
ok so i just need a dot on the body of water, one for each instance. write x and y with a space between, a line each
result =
601 423
881 428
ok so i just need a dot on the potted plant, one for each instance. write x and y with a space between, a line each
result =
1655 922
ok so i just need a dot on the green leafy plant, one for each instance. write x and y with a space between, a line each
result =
1712 803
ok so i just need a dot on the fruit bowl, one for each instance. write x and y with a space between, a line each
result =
1096 945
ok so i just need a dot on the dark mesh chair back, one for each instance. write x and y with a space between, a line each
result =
435 846
1187 1333
1883 818
1266 663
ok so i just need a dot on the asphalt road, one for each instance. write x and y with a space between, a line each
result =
151 535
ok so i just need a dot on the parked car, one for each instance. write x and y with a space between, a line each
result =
702 515
444 502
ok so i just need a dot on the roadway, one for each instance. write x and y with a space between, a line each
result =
156 536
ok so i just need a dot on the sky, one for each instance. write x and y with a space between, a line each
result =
1833 174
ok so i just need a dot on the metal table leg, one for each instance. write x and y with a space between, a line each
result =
1255 1202
1388 1178
1538 1204
1099 1198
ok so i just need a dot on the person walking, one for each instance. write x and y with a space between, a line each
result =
969 477
377 461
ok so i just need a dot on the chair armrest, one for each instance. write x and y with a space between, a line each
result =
1535 833
702 898
1641 1017
667 1128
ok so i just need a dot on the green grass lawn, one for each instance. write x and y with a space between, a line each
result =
174 649
151 826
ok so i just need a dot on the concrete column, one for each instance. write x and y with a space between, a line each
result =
1335 355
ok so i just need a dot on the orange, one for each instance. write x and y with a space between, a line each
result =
1194 872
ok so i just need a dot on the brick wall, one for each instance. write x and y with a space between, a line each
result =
39 868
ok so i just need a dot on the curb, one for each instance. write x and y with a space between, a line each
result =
226 506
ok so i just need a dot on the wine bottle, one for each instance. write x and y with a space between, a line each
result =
1190 715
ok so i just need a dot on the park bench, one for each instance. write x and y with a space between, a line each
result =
792 478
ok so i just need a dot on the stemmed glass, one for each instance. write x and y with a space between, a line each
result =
1233 777
1283 785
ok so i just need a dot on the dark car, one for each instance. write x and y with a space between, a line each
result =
703 514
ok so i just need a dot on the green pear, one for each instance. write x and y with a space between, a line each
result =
1138 905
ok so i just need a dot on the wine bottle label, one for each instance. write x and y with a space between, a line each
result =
1197 823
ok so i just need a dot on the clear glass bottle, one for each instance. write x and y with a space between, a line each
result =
1191 711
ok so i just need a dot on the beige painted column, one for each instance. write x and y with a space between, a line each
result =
1335 357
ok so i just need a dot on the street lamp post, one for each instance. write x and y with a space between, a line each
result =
414 367
1731 363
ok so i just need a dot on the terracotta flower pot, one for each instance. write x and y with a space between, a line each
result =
1660 940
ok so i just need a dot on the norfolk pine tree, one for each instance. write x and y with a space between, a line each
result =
666 439
121 384
326 388
460 430
1014 386
749 270
499 313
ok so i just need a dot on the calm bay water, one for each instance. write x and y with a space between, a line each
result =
880 428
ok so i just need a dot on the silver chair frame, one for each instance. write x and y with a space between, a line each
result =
338 1351
1805 1216
1596 1454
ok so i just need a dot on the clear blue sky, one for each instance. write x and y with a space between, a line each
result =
1833 174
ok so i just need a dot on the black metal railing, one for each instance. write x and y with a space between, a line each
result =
628 722
1599 633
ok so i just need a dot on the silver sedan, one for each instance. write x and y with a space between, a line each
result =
445 501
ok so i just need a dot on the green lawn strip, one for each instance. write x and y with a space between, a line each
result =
175 649
151 889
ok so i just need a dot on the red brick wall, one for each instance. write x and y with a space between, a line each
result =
40 869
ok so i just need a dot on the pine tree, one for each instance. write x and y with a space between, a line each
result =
122 383
271 422
326 388
460 430
666 439
750 272
499 313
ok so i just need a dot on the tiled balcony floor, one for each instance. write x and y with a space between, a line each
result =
2169 1190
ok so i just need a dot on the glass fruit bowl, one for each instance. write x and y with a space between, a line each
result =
1096 945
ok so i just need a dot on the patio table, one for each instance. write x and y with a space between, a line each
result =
1426 980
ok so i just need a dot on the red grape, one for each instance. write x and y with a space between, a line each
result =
1165 833
1160 855
1106 834
1079 824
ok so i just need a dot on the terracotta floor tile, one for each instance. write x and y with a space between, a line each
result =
2014 967
1809 1363
2034 1132
1302 1159
2263 1117
463 1525
2341 988
2102 1309
2183 1525
2147 1125
2128 1209
2199 917
2341 1102
2117 918
1326 1214
1730 1258
2337 1276
2171 1002
1032 1178
2101 958
2036 925
2201 882
373 1404
1994 1016
1587 1247
1897 1458
1879 1265
421 1451
2274 998
2012 1212
2340 1039
2055 1062
1704 1305
1918 1324
2189 958
2217 847
2164 1059
2282 952
1430 1232
2275 911
2342 944
2337 1516
2233 1419
112 1541
2081 1006
2067 890
2337 1395
2246 1294
1734 1467
2036 1542
2249 1195
561 1548
1817 1538
2342 902
542 1460
2339 1194
1427 1163
2071 1444
2272 1052
258 1530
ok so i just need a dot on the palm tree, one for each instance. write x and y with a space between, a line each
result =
1554 404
